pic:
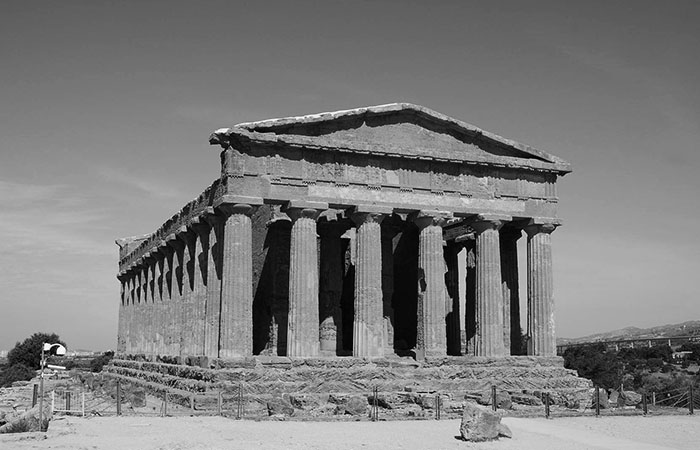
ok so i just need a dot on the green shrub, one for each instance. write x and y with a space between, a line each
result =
16 372
28 353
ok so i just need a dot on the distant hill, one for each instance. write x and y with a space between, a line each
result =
690 328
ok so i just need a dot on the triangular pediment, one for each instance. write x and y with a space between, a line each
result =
397 129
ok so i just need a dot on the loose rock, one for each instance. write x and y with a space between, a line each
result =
481 424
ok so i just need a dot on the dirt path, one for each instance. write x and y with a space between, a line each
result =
203 433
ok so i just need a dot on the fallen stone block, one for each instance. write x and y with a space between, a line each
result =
481 424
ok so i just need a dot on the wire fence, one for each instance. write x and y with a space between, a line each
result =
109 395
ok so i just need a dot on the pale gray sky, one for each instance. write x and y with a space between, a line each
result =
106 107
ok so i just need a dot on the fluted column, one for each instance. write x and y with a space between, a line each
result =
175 321
540 289
236 332
130 313
489 293
469 243
431 335
157 304
212 313
454 333
303 322
168 286
368 324
145 318
199 288
123 304
511 291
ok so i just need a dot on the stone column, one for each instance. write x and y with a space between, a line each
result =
236 326
331 286
454 332
187 347
144 318
469 243
199 288
168 286
431 336
123 304
157 304
212 313
303 322
130 313
489 292
511 292
175 323
540 288
368 324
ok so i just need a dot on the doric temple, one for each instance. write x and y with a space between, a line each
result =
341 234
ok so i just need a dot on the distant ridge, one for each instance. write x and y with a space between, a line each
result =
690 328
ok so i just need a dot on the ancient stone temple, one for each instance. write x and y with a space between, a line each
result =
340 235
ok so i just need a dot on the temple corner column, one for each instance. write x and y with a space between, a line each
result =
540 287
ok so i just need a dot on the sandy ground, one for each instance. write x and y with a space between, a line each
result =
200 433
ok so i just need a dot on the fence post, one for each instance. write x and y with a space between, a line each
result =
35 395
219 402
691 407
192 404
493 398
165 403
53 402
653 398
597 401
240 401
546 405
83 403
119 397
437 406
375 404
67 405
645 407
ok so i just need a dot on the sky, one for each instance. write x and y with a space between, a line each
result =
106 108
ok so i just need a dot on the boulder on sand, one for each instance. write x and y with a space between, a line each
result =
481 424
27 421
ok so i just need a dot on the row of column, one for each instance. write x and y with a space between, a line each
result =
193 296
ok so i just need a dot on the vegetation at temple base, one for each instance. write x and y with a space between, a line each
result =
24 359
647 369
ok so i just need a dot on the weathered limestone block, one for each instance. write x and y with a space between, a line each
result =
540 289
481 424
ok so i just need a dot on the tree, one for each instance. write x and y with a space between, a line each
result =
15 372
28 353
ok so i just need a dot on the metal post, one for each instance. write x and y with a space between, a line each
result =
546 405
219 401
691 407
653 398
35 395
119 397
83 403
41 391
374 415
192 404
493 398
67 405
597 401
645 407
165 403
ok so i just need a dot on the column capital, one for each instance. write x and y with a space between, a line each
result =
538 225
369 213
301 209
425 218
173 241
230 209
485 222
